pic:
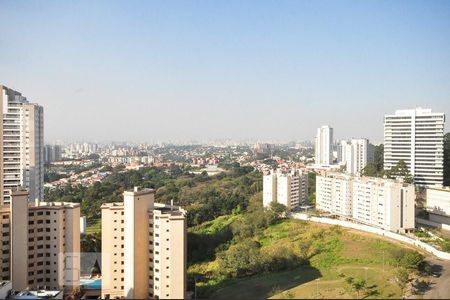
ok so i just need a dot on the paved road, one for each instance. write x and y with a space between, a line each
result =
440 287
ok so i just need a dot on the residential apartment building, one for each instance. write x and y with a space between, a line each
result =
288 188
355 154
334 194
417 137
23 145
383 203
40 244
438 204
324 146
143 248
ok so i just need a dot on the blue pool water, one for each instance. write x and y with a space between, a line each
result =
91 283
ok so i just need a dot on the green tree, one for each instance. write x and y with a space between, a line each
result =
359 286
275 212
400 170
370 170
411 260
379 157
241 259
447 159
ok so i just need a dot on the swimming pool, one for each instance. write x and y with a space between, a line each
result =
94 284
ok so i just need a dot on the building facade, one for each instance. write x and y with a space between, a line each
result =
416 136
52 153
143 248
383 203
23 145
438 205
355 154
324 146
287 188
41 244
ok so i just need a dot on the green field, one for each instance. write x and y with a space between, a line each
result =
334 254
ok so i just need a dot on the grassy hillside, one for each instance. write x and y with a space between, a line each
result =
298 259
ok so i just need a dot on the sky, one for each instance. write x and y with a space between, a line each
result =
146 71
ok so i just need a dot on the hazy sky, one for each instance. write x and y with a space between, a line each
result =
165 70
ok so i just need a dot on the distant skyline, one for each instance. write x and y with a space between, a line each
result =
213 70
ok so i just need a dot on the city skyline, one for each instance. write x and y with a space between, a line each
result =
202 71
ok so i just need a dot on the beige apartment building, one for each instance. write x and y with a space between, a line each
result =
40 244
289 188
143 248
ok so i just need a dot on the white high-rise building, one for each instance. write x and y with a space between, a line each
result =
383 203
23 145
356 154
287 188
417 137
324 143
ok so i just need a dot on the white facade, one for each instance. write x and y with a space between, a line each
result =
23 145
324 142
438 205
383 203
356 154
269 188
438 200
287 188
417 137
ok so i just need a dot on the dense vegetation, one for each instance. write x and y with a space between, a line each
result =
205 197
399 170
261 245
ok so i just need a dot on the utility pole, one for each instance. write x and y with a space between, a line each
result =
317 281
195 287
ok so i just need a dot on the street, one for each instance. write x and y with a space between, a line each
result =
440 287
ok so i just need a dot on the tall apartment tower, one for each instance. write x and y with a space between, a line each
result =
356 154
23 145
324 146
287 188
52 153
143 248
383 203
417 137
41 244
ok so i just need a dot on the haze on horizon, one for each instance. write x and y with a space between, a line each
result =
198 70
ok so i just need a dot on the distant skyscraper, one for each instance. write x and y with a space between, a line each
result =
324 142
356 154
23 145
143 248
417 137
52 153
